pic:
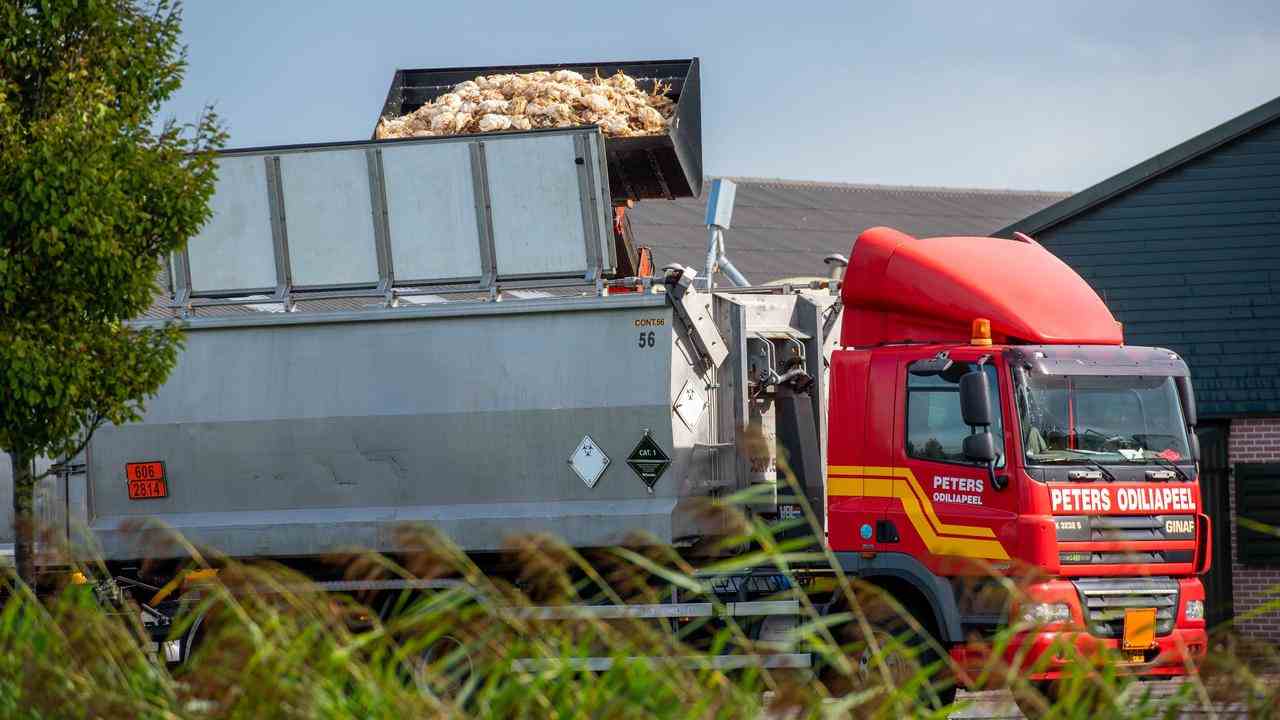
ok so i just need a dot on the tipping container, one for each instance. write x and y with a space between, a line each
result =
666 166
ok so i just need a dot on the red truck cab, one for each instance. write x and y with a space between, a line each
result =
987 421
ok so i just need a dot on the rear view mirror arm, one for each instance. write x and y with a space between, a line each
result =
999 482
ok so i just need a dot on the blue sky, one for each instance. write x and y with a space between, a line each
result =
986 94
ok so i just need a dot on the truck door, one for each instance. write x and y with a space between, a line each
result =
860 448
948 512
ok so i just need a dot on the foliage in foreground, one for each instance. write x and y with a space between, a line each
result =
93 192
472 643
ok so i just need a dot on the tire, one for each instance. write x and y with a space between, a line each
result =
1036 697
428 675
1066 697
904 654
440 669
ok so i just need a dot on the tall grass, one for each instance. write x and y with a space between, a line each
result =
475 643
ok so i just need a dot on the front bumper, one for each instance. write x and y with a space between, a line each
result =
1050 651
1049 655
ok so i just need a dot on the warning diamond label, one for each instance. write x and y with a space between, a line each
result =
648 461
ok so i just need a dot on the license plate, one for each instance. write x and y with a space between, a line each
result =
146 480
1139 628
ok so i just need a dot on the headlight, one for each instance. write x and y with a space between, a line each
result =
1045 613
1195 610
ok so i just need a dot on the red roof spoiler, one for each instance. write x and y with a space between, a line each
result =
898 288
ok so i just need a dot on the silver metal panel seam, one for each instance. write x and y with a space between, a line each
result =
590 237
484 214
602 203
279 225
378 203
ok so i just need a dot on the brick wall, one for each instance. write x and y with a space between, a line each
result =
1253 440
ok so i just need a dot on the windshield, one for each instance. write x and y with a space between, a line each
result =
1085 418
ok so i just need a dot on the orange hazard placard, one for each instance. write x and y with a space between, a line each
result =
146 480
1139 628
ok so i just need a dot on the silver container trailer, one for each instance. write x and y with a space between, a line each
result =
434 332
430 331
300 434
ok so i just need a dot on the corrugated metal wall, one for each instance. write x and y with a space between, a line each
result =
1190 260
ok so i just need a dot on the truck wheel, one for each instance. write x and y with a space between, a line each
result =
1036 698
905 656
431 676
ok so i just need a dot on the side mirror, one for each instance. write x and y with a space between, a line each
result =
975 399
1193 441
980 447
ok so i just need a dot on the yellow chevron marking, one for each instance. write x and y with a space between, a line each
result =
938 545
923 497
861 481
858 470
843 487
860 487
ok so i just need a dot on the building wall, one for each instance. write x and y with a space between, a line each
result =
1253 440
1189 260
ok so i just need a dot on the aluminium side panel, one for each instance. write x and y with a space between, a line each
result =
233 251
431 211
536 200
730 319
453 210
284 436
329 213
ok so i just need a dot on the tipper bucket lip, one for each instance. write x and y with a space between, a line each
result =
666 166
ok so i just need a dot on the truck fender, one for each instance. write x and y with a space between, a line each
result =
936 591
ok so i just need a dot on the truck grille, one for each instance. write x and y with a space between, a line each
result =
1104 601
1149 557
1126 528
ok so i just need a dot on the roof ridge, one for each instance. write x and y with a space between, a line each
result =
833 185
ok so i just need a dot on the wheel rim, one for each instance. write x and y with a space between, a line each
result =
446 682
867 669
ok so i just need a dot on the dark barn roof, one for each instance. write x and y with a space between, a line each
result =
783 228
1185 249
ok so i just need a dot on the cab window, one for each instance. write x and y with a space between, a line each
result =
935 427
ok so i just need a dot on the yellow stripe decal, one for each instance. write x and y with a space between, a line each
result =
942 527
866 481
922 496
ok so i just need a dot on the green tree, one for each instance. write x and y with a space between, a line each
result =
93 194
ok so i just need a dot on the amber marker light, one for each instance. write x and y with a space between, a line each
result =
981 334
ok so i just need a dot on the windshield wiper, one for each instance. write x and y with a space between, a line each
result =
1166 462
1085 460
1098 466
